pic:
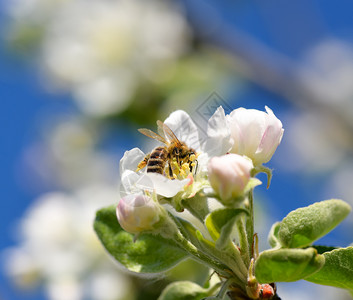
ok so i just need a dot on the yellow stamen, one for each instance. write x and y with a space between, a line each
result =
185 167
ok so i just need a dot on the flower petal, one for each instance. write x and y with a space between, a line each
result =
273 134
184 128
128 183
131 159
160 184
219 139
247 127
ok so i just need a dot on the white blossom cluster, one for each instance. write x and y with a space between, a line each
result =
235 144
59 247
102 50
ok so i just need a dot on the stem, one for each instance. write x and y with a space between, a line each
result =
239 266
231 258
190 248
250 224
213 289
252 286
234 262
243 240
225 287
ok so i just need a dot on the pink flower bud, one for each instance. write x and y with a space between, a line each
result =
256 134
229 174
137 213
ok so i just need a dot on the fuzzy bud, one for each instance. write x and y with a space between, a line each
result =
255 133
137 213
229 175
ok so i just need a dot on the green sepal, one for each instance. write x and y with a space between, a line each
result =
303 226
273 236
148 254
287 264
338 269
263 169
221 222
197 206
253 182
183 290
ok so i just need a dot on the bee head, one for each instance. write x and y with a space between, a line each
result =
176 151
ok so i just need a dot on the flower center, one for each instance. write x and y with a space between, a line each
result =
182 169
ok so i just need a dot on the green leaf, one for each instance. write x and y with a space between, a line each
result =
190 270
148 254
221 221
287 264
183 290
303 226
273 235
338 269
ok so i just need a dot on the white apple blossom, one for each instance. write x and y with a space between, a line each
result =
255 134
186 130
228 175
219 140
252 133
102 50
326 70
58 245
133 182
67 155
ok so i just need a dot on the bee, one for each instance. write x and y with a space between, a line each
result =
174 155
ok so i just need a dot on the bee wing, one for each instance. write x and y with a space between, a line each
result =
168 132
152 135
160 128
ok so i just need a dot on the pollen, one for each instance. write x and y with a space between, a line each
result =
185 167
179 171
193 157
175 167
182 174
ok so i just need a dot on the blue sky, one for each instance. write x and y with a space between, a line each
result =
289 27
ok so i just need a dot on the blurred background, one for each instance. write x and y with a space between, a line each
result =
78 77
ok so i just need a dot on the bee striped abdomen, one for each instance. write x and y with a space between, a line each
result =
157 160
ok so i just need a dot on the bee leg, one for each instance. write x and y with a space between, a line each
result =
170 170
193 166
143 163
